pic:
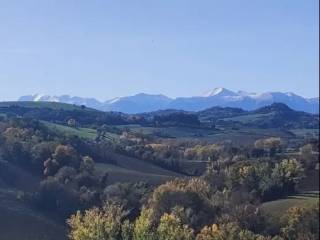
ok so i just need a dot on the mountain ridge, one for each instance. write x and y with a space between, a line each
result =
222 97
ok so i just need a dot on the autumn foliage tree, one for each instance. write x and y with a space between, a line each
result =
97 224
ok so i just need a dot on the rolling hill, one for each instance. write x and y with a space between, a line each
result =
276 115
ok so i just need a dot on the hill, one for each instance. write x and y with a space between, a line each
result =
276 115
62 112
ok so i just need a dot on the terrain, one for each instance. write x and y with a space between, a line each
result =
113 155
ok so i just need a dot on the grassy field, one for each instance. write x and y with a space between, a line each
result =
88 133
308 194
131 169
80 132
241 136
303 132
278 207
174 132
248 118
119 174
209 134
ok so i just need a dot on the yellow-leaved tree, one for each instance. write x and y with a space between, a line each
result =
97 224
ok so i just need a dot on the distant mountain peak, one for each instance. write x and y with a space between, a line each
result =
159 96
246 94
38 96
143 102
219 91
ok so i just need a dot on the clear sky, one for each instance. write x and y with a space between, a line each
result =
109 48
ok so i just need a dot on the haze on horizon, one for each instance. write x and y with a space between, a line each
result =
107 49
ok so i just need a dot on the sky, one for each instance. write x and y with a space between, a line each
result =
107 48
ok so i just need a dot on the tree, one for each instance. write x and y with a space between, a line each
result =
56 196
66 155
193 196
301 223
272 145
87 164
130 195
308 158
72 123
229 231
97 224
287 174
171 228
143 227
126 230
40 152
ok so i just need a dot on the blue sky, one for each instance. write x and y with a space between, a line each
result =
104 49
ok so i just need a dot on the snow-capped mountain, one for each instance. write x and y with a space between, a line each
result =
217 97
90 102
138 103
219 92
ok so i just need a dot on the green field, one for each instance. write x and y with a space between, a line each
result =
88 133
80 132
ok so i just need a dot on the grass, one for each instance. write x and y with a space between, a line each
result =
80 132
302 132
248 118
86 133
211 135
308 194
120 174
278 207
171 132
129 169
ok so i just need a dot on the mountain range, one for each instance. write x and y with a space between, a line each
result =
217 97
